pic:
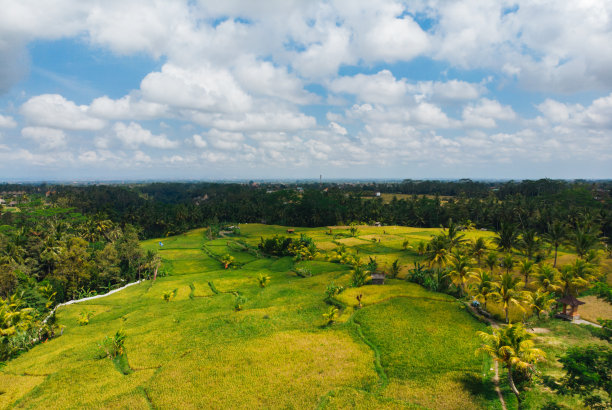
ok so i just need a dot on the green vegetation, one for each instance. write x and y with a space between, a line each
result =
274 316
274 352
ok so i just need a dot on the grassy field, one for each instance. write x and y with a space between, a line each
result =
405 348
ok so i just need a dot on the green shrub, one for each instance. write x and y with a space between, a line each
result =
263 280
359 275
331 315
169 295
84 318
239 303
333 290
394 270
303 272
114 346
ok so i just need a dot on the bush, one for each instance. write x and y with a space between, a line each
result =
169 295
331 315
359 275
263 280
276 245
333 290
239 303
84 318
394 270
303 272
114 346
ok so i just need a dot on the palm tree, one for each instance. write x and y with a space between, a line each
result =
507 292
508 262
584 269
491 261
513 347
583 240
507 237
437 252
460 270
539 301
529 243
482 286
478 249
547 278
526 267
421 248
570 281
555 236
452 236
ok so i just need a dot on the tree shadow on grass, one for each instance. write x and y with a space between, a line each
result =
478 386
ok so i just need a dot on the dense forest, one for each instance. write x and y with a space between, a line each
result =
162 209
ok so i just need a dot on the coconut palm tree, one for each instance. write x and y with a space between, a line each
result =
508 262
526 267
460 269
583 240
555 236
570 281
437 252
584 269
513 347
539 301
482 286
547 278
507 237
507 292
491 261
478 249
453 236
529 243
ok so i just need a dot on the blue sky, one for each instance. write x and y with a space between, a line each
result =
348 89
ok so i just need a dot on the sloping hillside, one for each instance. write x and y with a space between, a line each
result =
406 347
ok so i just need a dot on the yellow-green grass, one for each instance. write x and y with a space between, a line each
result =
427 349
196 351
387 198
595 309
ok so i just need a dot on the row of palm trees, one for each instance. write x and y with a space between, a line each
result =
488 276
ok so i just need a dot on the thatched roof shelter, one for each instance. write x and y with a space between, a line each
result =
573 303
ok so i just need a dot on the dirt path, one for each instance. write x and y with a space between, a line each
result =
494 325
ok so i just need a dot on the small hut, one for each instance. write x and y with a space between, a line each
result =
378 278
572 312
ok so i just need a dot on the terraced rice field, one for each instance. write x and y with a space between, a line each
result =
406 348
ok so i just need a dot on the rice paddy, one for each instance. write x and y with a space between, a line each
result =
405 347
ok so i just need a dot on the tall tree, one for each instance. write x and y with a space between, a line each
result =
507 237
547 278
492 261
437 251
478 249
583 239
453 236
508 262
538 301
508 292
555 236
482 286
529 243
513 347
460 269
526 267
74 267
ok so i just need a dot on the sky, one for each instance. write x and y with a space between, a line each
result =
190 89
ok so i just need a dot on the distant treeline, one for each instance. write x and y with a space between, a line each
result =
161 209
